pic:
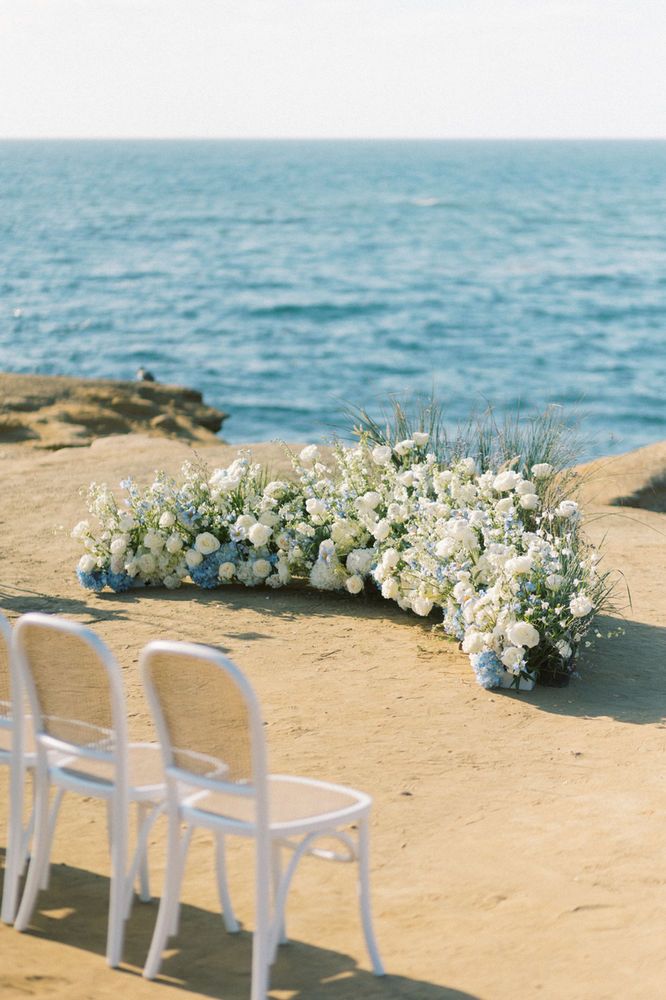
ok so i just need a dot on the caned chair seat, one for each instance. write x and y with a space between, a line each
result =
294 804
145 772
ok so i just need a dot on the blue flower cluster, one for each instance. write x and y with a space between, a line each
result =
101 578
488 669
206 573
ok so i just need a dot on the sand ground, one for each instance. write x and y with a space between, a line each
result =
518 840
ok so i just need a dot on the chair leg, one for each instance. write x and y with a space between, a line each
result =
142 811
228 914
175 866
14 858
276 872
260 938
53 819
117 903
364 895
40 859
184 848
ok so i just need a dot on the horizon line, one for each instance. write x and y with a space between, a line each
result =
332 138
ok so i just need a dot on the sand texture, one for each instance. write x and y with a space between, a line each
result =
53 411
518 840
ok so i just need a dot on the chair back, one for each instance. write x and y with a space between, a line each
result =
5 675
207 716
74 687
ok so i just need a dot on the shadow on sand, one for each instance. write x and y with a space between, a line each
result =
204 960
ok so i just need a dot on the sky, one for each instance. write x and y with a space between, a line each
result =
333 68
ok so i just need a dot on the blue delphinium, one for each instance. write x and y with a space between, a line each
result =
488 669
92 581
120 582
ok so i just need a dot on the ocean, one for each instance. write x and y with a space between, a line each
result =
285 279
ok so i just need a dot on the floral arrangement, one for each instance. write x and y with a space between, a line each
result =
490 540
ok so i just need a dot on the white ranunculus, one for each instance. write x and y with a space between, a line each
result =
381 530
512 657
422 606
505 505
147 563
420 438
390 589
525 487
523 634
174 543
87 563
568 508
205 543
309 455
518 566
261 568
406 478
529 501
167 519
506 481
269 518
371 500
381 455
315 507
554 581
226 571
445 548
118 545
580 606
259 534
542 470
403 447
193 558
354 584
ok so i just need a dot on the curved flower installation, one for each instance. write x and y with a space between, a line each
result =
499 553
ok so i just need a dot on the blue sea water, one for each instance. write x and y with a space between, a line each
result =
283 277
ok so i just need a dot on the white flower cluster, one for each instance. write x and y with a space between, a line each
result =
499 553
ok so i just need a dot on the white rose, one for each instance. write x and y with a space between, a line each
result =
541 470
269 518
171 582
420 438
259 534
226 571
381 530
445 548
354 584
474 642
87 564
261 568
381 455
554 581
359 561
154 541
580 606
523 634
504 505
390 589
422 606
205 543
174 543
167 520
518 566
568 508
315 507
529 501
193 558
309 454
371 499
468 465
403 447
147 563
118 545
506 481
512 657
406 478
245 522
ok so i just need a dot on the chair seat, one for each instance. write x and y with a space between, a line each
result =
295 805
6 740
146 774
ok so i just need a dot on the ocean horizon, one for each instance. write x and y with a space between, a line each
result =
285 278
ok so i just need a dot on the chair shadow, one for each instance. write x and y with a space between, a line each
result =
622 678
204 960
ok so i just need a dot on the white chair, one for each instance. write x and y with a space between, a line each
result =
210 728
13 754
75 692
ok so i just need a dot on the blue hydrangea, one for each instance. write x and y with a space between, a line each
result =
488 669
205 574
120 582
92 581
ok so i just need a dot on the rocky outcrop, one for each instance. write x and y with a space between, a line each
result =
52 411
